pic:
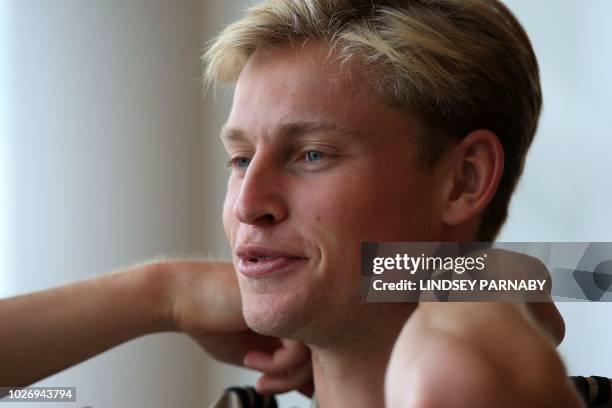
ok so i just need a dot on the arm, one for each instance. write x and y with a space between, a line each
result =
77 321
81 320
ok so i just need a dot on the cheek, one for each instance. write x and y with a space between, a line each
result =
229 220
374 207
330 214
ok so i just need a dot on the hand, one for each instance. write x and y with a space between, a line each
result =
204 302
285 364
287 368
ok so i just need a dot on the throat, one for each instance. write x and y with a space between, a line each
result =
358 382
352 374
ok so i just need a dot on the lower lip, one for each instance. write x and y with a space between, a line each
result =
268 268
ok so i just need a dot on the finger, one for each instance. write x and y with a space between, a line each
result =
265 363
258 360
295 379
286 357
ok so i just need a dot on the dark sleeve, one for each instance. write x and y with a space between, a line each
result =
244 397
594 390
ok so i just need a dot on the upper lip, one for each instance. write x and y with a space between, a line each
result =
246 252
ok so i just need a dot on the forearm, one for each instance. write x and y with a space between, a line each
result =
478 354
45 332
48 331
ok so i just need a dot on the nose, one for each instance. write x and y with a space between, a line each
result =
261 199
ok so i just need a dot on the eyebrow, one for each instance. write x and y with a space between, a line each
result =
290 129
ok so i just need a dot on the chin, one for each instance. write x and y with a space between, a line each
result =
272 316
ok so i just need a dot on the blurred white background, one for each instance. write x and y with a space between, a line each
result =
109 154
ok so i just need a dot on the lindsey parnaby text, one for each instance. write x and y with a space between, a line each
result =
460 285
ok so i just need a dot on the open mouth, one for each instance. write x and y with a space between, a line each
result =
258 262
270 258
259 259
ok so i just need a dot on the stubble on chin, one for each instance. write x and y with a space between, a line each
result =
270 319
321 321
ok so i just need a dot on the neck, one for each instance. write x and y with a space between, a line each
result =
351 372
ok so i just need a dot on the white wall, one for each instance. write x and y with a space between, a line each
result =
6 177
107 154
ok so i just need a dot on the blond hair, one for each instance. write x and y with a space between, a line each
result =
457 65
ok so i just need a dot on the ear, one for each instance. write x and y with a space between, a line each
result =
476 167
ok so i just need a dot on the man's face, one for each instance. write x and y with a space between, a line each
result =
319 164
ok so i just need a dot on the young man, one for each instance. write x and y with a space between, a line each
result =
352 121
371 121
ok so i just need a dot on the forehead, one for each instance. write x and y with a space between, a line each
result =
301 83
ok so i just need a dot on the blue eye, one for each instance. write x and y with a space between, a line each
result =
240 162
314 155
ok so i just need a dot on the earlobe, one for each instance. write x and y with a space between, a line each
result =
477 167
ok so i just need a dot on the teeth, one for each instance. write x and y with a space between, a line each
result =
260 258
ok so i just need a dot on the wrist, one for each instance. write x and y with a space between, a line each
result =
191 296
156 289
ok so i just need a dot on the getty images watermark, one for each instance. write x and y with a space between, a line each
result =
481 271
